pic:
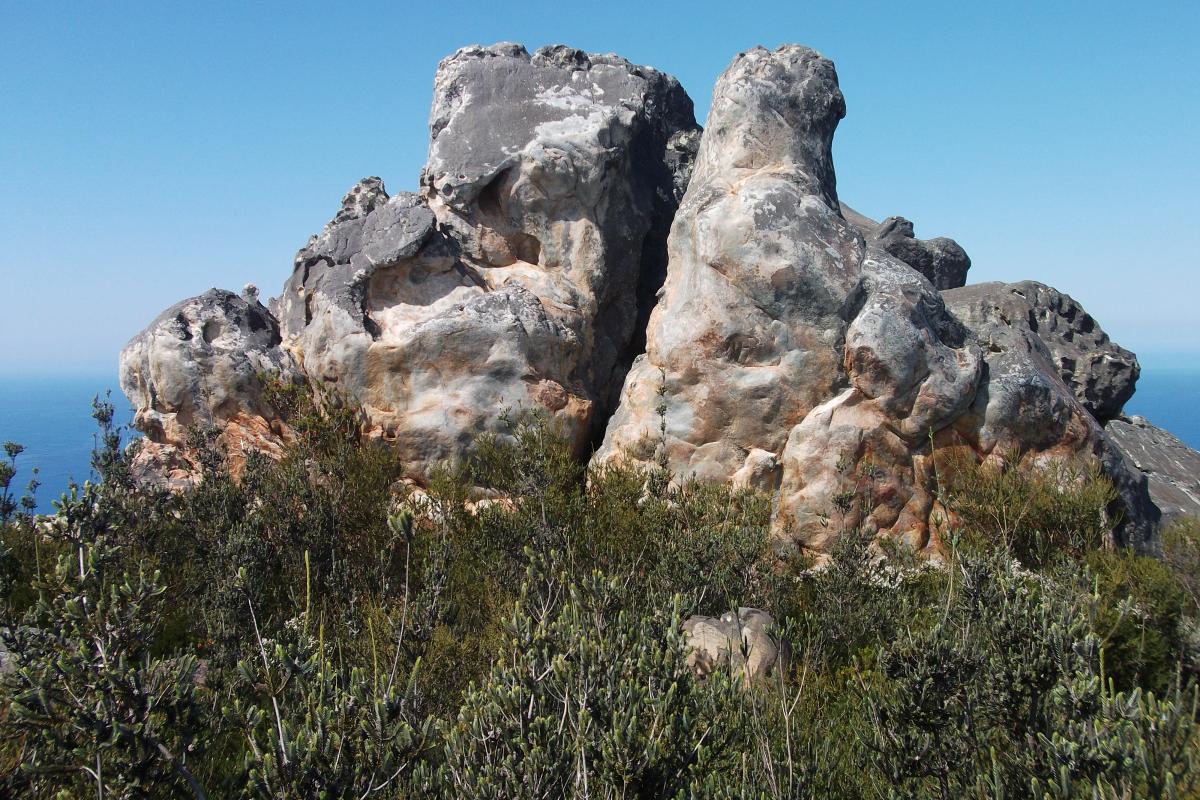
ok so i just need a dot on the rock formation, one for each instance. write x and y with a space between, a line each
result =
748 334
941 260
1101 374
522 273
782 329
796 346
741 641
1172 468
199 365
519 274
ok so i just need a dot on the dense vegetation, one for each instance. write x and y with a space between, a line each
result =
319 629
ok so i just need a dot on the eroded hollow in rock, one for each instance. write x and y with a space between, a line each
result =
503 239
400 297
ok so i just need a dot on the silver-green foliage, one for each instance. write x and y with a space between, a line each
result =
587 699
1005 696
316 728
92 709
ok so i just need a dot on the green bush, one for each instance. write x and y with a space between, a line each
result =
1040 513
318 627
89 706
1005 695
1140 618
1181 554
586 699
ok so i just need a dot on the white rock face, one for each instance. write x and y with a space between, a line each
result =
517 277
199 365
781 330
561 172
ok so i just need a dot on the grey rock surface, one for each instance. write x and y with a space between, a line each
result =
941 260
522 274
561 170
1101 374
748 334
1171 467
782 331
201 364
741 641
1026 405
322 309
862 223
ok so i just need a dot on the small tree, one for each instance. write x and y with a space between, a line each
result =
89 704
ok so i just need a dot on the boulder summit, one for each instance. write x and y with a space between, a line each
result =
578 244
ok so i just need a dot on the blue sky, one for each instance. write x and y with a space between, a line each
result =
148 152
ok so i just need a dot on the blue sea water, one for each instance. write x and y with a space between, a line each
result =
1170 398
51 416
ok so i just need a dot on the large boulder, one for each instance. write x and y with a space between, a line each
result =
748 335
782 329
741 641
1101 374
1027 408
202 365
561 171
1171 467
517 277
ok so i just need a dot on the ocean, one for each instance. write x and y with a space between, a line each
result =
51 417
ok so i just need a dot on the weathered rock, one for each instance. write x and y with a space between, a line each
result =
517 277
1025 407
382 307
324 311
201 365
742 641
747 337
782 330
941 260
561 171
1100 373
1170 466
797 347
773 306
861 458
761 472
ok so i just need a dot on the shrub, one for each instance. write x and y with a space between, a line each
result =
1039 512
1006 695
316 627
316 727
89 706
1139 618
587 699
1181 554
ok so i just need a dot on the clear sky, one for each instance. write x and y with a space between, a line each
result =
148 152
